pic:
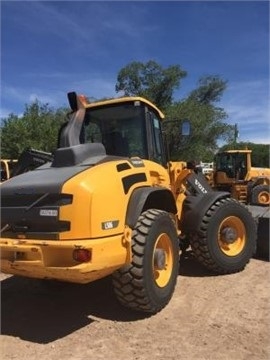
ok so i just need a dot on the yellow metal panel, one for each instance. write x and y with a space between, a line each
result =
99 198
53 259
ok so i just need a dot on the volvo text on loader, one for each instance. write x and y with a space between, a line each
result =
110 203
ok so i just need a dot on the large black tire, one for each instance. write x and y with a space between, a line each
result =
226 239
260 195
263 239
147 284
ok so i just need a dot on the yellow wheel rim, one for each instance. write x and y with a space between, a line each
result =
232 236
162 263
263 198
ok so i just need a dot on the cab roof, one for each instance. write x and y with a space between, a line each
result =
242 151
84 102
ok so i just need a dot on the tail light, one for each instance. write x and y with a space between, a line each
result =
82 255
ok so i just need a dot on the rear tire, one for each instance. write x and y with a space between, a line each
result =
147 284
260 195
226 239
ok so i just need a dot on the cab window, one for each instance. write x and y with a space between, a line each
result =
157 152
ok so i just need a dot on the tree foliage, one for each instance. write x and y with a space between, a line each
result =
151 81
206 119
37 128
210 89
206 127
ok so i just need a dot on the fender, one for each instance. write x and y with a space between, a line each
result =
199 184
260 180
195 207
149 198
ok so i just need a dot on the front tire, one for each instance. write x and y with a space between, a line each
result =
147 284
260 195
226 239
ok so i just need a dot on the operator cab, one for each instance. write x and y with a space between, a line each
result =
127 127
234 164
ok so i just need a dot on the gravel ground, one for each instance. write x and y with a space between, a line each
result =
209 317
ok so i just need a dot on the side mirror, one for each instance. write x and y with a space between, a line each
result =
185 128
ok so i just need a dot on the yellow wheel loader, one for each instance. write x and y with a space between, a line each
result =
28 160
233 172
7 166
111 203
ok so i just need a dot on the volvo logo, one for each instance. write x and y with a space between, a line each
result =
199 186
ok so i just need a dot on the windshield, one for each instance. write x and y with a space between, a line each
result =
234 165
119 127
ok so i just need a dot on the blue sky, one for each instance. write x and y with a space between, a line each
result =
51 47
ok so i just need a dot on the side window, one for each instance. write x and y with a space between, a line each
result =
241 166
157 138
157 151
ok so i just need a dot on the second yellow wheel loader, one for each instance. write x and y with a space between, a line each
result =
233 172
7 166
28 160
111 203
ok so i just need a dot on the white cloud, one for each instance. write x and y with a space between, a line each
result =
247 104
92 84
85 26
48 19
97 87
42 98
15 98
4 112
12 93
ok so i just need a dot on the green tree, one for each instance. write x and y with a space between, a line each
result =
37 128
207 122
206 127
151 81
210 89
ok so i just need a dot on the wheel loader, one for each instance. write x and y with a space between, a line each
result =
233 172
28 160
7 166
111 203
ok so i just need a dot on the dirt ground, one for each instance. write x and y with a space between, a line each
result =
209 317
